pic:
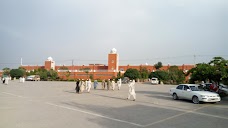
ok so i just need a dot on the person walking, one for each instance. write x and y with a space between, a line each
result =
89 84
95 83
113 84
119 83
7 80
86 84
77 88
82 86
108 84
103 84
3 80
131 91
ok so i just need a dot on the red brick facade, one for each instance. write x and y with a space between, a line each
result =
96 71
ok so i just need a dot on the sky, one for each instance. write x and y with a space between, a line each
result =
81 32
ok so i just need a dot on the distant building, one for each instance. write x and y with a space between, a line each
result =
96 71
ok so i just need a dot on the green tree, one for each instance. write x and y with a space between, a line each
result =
143 72
219 68
119 75
176 75
6 71
91 76
132 73
158 65
52 74
161 75
202 72
17 73
43 74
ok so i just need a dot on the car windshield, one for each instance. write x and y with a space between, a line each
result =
194 88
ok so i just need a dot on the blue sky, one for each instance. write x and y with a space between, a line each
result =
142 31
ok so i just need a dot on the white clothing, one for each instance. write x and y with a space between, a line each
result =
86 85
23 79
82 86
89 84
7 80
113 85
20 79
119 84
131 92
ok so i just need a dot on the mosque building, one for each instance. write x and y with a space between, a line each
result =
96 71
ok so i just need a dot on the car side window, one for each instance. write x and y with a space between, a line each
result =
186 87
180 87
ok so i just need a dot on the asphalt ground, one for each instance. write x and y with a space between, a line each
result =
56 105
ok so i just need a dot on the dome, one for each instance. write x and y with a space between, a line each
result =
113 50
49 59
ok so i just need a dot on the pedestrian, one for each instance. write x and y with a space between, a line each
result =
3 80
23 79
131 91
7 80
119 83
89 84
86 84
113 84
108 84
82 86
77 88
103 84
95 83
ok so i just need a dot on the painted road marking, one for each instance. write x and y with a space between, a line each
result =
94 114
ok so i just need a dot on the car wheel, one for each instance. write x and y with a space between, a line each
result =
175 97
195 100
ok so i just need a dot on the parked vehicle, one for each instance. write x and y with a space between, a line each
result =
221 89
33 78
125 80
191 92
154 80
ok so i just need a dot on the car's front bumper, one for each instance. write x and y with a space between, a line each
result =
210 99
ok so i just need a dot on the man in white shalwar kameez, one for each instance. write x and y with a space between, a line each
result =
86 84
82 86
113 84
7 80
89 84
131 92
119 84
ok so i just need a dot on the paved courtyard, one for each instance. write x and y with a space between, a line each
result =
56 105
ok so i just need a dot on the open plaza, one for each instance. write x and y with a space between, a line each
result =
53 104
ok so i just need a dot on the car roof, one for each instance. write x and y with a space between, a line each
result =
190 84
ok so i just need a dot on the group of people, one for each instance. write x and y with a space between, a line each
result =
85 85
111 84
82 85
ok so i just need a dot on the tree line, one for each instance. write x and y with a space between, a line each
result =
216 70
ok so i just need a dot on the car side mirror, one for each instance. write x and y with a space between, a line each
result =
188 90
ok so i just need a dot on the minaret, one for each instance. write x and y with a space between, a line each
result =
113 61
21 61
49 64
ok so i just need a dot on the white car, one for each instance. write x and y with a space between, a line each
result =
154 80
191 92
223 89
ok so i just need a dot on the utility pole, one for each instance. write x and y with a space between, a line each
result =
194 60
73 68
21 61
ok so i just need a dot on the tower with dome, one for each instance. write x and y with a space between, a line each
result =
49 64
113 61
